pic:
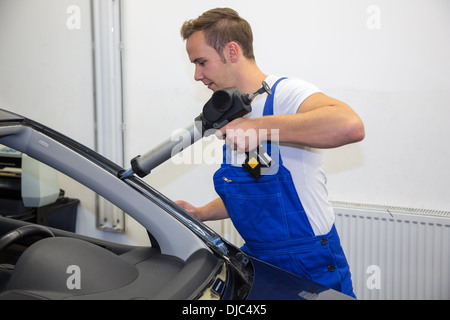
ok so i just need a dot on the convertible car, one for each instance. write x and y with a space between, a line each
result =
185 261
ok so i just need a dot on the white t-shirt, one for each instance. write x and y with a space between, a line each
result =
304 163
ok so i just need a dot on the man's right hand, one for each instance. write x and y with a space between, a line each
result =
215 210
189 208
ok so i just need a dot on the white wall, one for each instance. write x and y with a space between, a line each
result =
45 67
387 59
46 74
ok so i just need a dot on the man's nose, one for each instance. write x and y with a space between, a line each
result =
198 74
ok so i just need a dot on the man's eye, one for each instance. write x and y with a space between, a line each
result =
202 63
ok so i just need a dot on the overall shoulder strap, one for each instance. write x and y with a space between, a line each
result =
268 106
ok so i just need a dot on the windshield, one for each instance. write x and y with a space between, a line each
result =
34 192
137 199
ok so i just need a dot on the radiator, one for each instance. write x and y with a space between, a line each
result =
395 253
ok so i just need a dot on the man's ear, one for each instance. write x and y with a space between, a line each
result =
233 51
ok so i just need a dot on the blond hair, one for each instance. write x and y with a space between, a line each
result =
221 26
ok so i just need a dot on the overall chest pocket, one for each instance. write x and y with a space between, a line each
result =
258 217
263 211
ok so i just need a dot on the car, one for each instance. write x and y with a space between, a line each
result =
186 260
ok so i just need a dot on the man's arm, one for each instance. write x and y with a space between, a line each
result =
215 210
320 122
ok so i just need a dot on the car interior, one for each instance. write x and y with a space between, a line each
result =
36 267
42 258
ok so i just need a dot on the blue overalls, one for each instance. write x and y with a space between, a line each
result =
269 216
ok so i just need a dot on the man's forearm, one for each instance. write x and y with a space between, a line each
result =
321 122
317 128
215 210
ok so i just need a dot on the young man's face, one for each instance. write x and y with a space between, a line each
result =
209 66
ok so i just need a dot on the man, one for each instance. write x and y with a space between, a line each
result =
285 218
